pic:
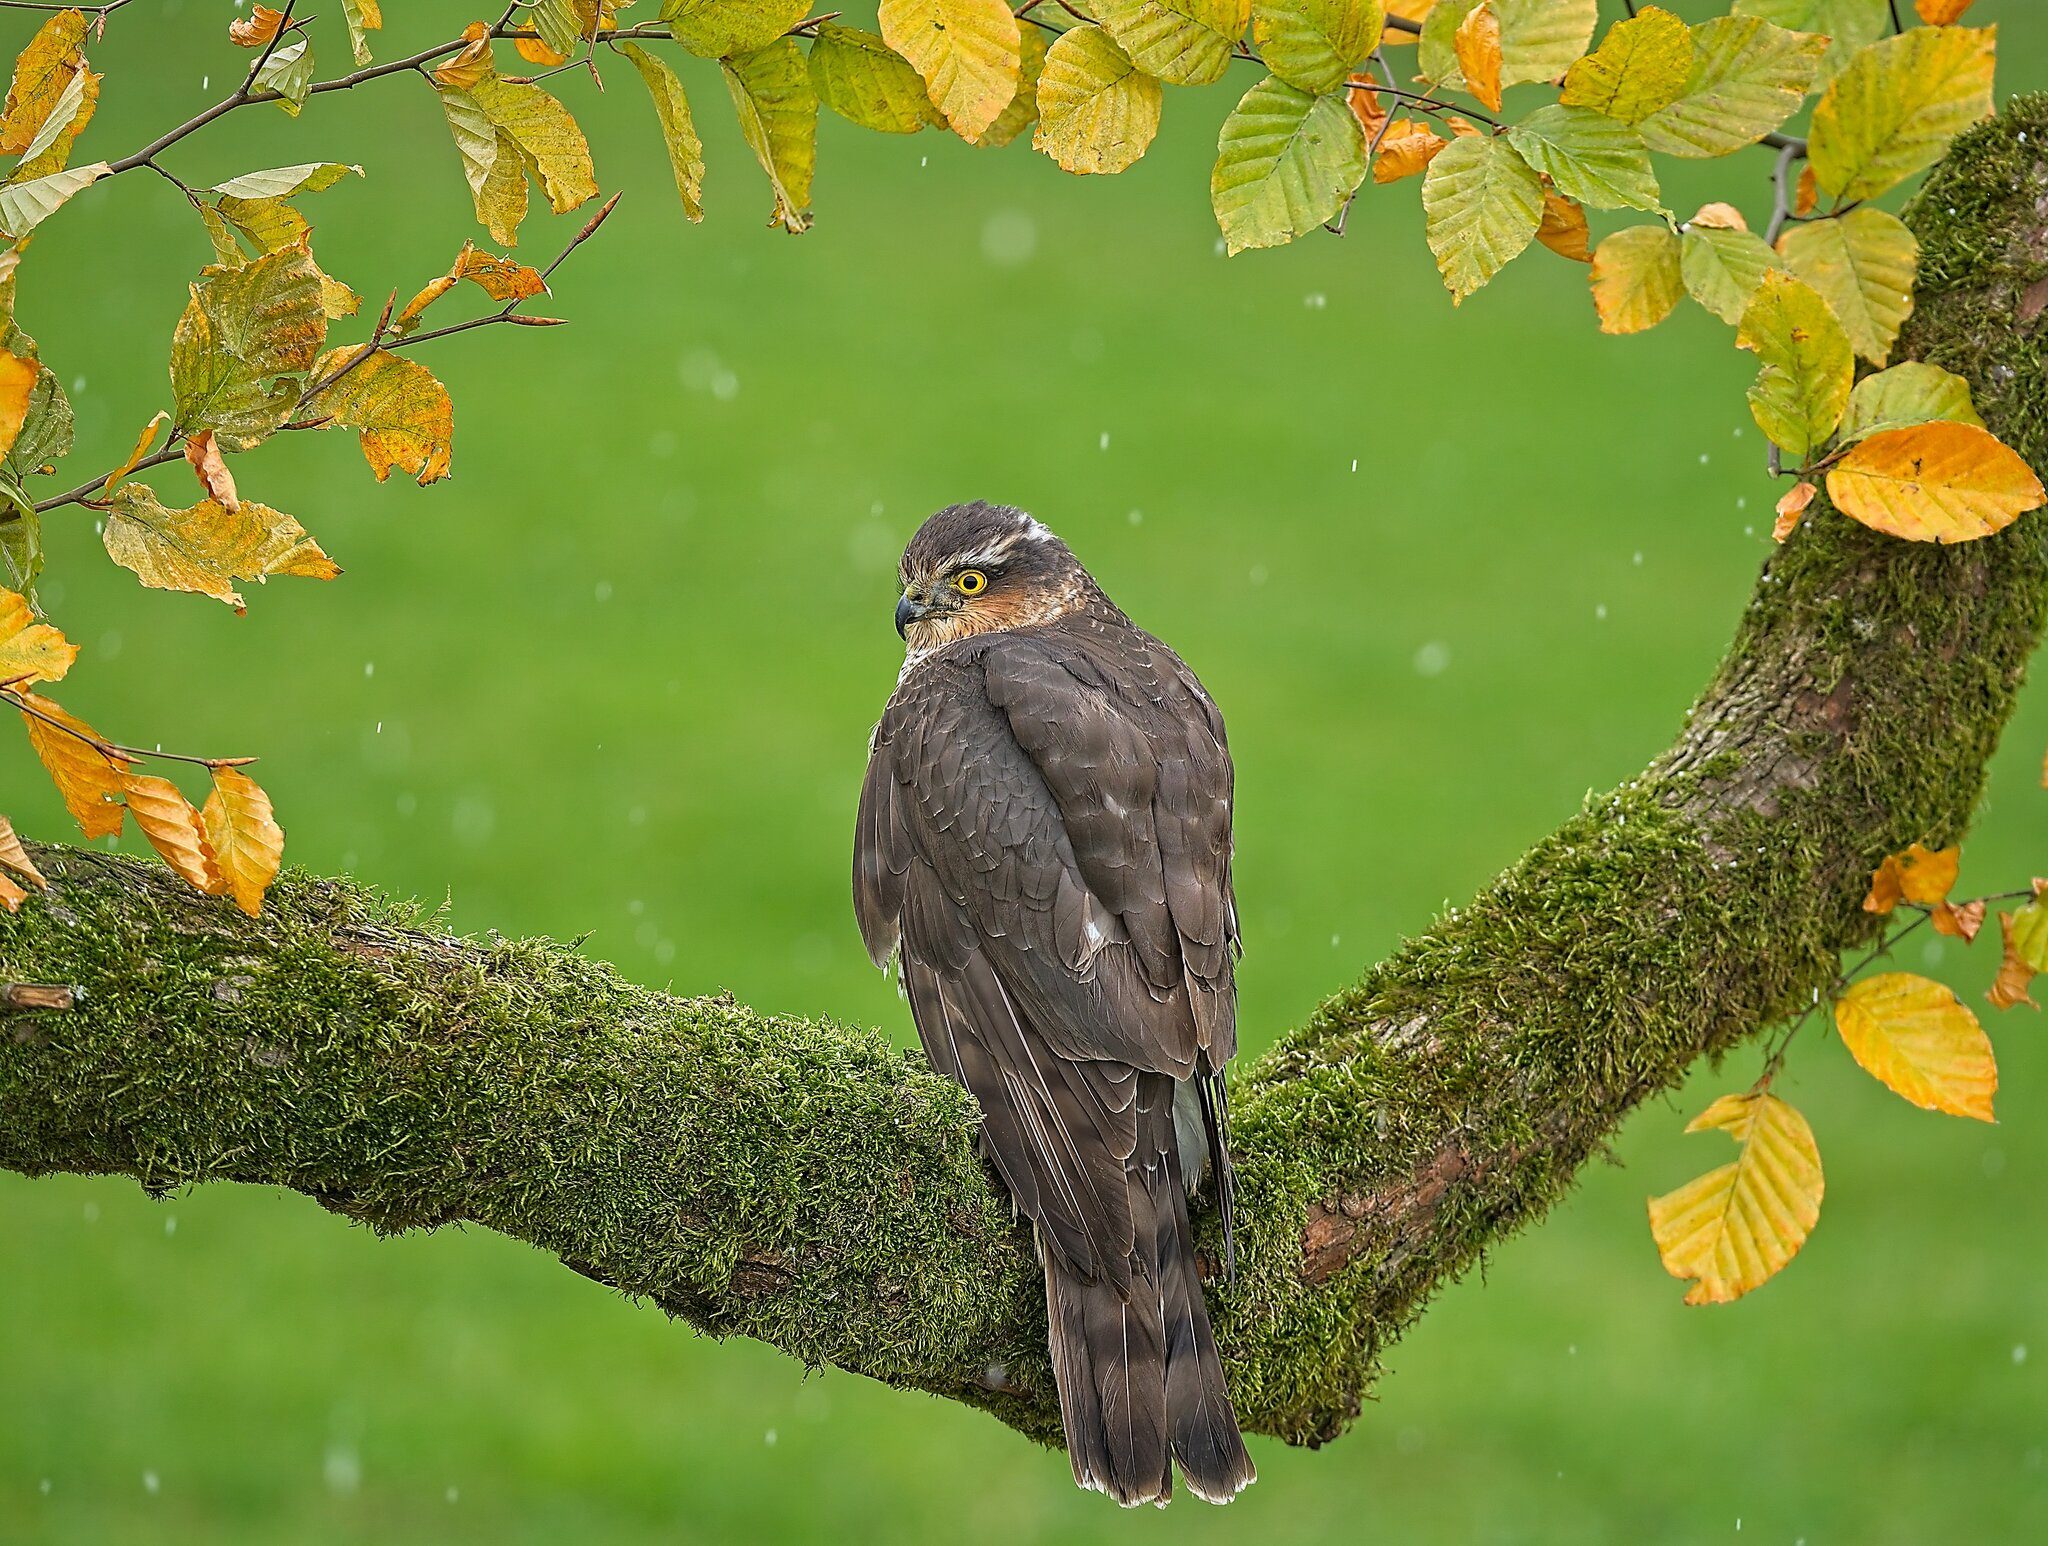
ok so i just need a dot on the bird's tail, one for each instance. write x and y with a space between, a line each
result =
1139 1379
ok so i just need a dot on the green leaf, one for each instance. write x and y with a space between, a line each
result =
1637 278
1905 395
1588 156
678 131
778 113
288 72
21 540
1540 39
865 81
1849 24
1022 111
1747 78
24 206
1803 388
712 29
1723 268
556 24
548 140
1895 108
1481 205
363 17
1642 65
46 430
1316 44
1184 42
281 182
245 337
1863 266
206 547
1097 111
491 164
269 223
1285 162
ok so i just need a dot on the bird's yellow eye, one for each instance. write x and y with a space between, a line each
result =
970 582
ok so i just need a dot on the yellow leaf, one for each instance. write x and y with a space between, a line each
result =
1921 875
404 415
1642 65
42 73
1416 11
2025 932
1898 104
30 651
1719 217
1184 42
1733 1228
1934 482
1806 365
134 458
967 51
678 129
491 164
1637 279
247 842
255 29
1541 39
1863 265
204 455
715 29
206 546
15 857
1097 111
11 895
87 777
1477 43
1939 13
1790 509
549 141
1022 110
1915 1037
167 819
1564 229
1407 148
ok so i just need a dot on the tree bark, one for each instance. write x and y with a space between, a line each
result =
803 1183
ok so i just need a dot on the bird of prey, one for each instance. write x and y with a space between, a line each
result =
1043 846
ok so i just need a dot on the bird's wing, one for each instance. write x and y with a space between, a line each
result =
1048 849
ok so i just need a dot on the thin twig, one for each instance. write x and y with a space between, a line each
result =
113 751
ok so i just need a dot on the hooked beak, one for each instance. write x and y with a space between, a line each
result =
909 609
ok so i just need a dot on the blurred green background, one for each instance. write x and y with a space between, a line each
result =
1446 572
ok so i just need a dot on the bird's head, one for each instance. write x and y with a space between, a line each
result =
979 568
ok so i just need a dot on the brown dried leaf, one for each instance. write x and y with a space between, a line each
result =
173 828
203 452
247 842
1959 921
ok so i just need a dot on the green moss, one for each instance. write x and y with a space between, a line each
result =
800 1182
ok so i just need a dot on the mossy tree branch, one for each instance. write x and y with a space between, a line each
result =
803 1183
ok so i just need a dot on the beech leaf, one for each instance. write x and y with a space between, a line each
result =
88 780
1481 206
1934 482
1640 66
678 129
247 842
778 112
1097 111
205 547
967 52
1863 265
173 828
404 415
1638 278
30 651
1747 78
1914 1036
1894 109
1185 42
1734 1228
1802 389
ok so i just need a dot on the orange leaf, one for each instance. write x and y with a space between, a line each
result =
17 379
1733 1228
1408 148
172 827
2025 932
88 778
15 857
143 442
11 895
30 651
1478 50
247 842
1807 198
1934 482
1959 922
257 29
472 64
1920 874
1364 103
500 278
1939 13
1564 229
214 477
1914 1036
1790 508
